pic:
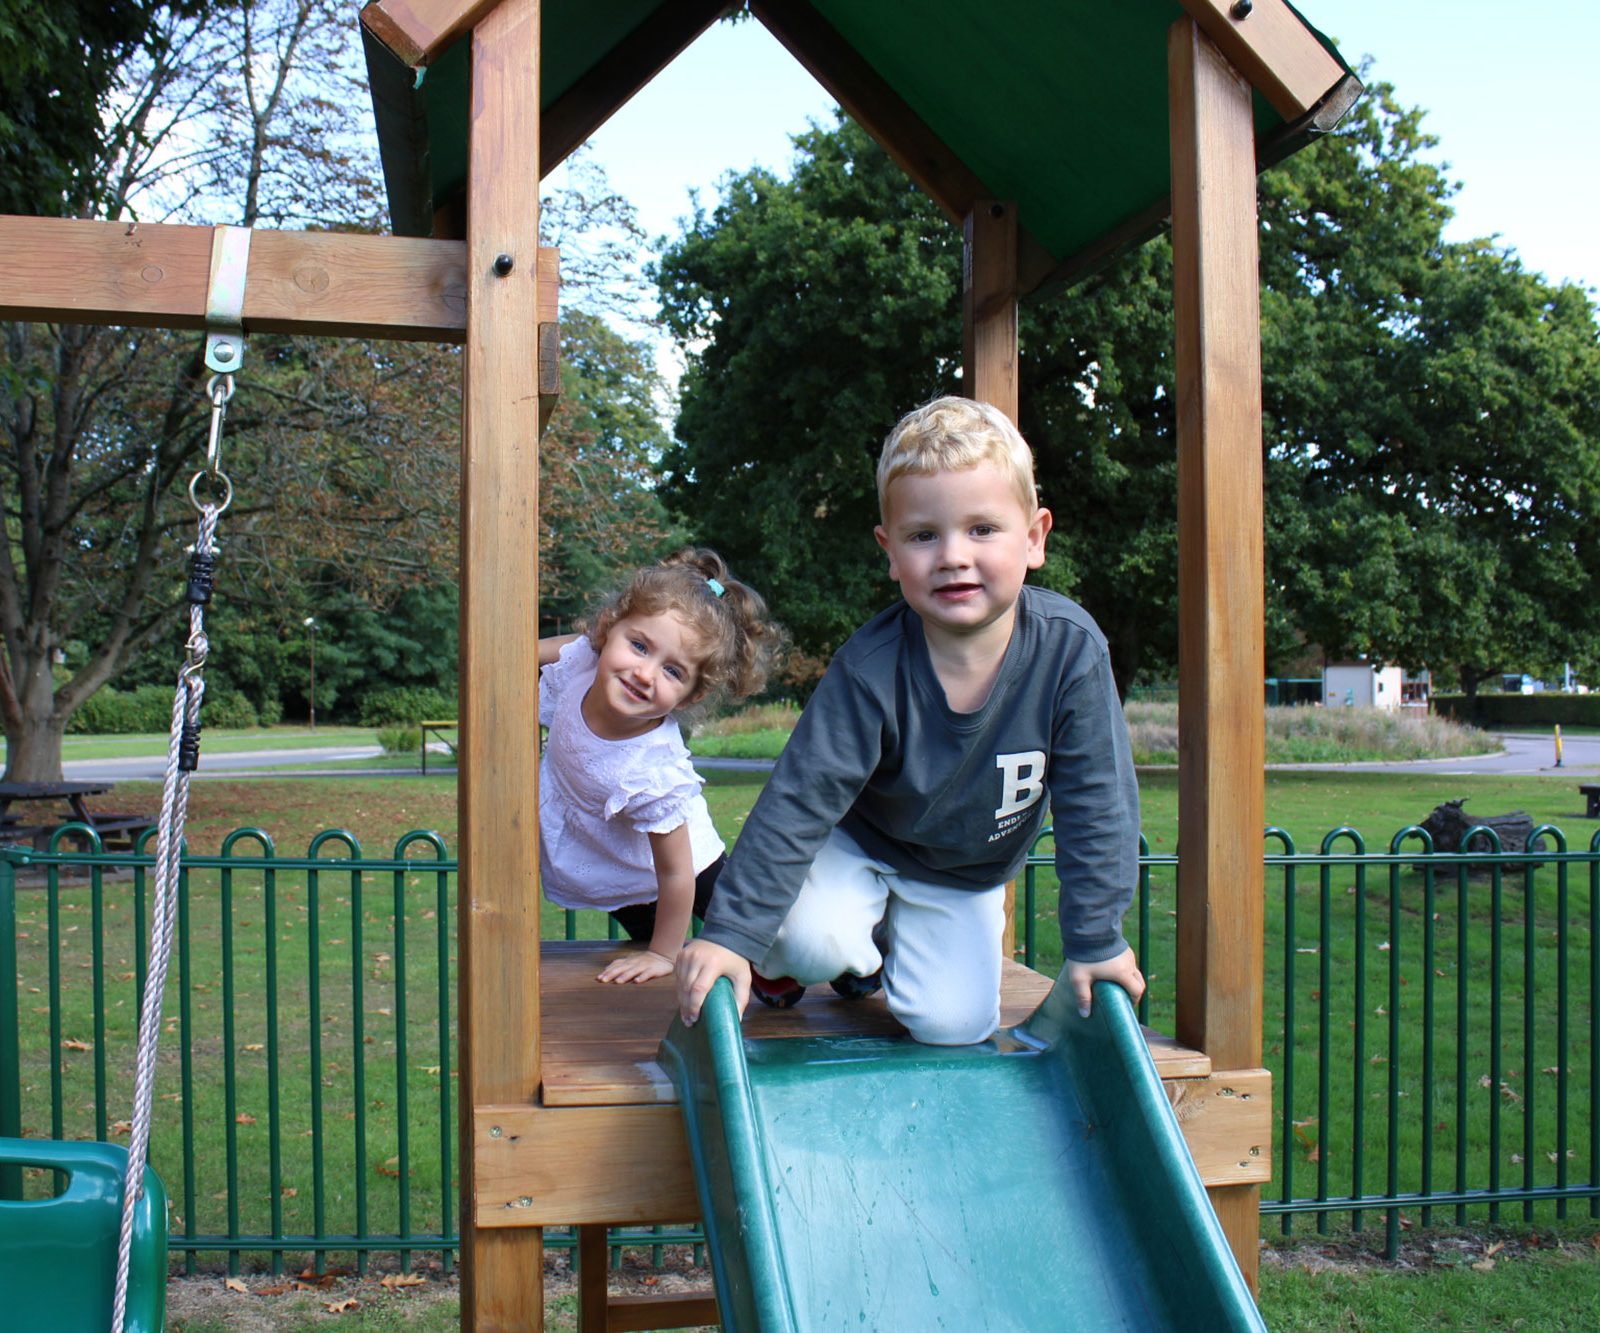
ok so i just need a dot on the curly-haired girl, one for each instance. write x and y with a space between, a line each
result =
623 826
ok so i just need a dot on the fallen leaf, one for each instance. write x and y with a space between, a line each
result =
255 1046
280 1290
233 1284
73 1044
344 1306
1484 1265
396 1280
1494 1249
244 1118
122 1127
289 1192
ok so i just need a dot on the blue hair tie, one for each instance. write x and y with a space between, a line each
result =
715 587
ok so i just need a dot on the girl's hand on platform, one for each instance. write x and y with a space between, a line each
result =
700 963
644 966
1123 969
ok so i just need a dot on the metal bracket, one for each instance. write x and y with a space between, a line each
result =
230 258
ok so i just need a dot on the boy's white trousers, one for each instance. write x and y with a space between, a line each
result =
941 973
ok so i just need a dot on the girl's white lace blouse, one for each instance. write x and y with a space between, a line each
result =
599 799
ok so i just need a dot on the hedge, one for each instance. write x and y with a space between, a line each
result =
406 704
1509 712
148 709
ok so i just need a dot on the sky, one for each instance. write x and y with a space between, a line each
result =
1505 87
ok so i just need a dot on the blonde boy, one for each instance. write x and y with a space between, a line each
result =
918 776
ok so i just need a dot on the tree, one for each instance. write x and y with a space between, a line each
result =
599 514
58 65
1432 423
1430 409
813 312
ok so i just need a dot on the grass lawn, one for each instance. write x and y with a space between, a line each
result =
316 1106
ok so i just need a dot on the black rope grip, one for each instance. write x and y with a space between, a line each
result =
189 747
202 577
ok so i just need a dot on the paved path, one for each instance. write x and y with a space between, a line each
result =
153 768
1524 753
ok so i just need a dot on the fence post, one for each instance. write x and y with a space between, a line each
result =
10 1032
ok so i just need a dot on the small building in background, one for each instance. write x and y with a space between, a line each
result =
1362 685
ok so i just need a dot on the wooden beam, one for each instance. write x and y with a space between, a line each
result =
989 355
331 284
617 1165
1273 49
594 1259
1221 720
989 304
626 68
502 1283
883 113
418 30
629 1165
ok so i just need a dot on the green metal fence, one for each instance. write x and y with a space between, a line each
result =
1431 1025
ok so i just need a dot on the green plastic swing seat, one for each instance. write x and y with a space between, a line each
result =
58 1256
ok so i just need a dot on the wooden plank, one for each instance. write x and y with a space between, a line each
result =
498 917
629 1165
600 1042
1273 49
148 275
1221 637
877 108
546 1166
633 1314
418 30
1227 1124
636 59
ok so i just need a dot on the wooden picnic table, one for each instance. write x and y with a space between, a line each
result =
38 826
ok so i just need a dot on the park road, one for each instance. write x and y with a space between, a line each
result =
1524 753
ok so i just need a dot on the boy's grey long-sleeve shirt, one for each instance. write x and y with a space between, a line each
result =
946 797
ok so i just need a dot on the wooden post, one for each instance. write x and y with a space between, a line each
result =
989 304
1221 741
502 1278
989 353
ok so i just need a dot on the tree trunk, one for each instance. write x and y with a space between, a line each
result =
33 740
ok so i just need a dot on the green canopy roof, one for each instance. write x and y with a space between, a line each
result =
1060 107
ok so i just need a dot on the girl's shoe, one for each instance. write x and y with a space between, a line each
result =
776 992
852 987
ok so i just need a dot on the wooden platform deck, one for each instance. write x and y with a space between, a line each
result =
604 1143
600 1041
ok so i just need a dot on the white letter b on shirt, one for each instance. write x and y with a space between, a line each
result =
1022 778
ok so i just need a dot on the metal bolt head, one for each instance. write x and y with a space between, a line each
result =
503 264
223 351
524 1202
494 1130
1241 9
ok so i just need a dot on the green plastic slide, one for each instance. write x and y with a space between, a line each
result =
1036 1181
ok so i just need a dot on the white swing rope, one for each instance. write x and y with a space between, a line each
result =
183 756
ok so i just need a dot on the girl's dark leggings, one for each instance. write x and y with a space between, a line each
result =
639 919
